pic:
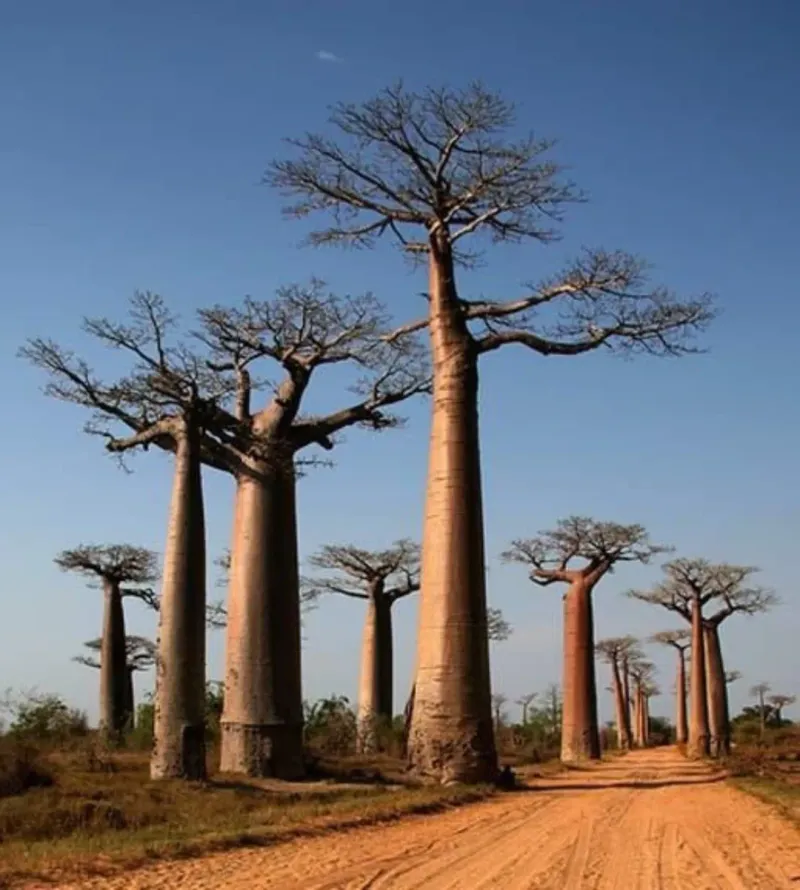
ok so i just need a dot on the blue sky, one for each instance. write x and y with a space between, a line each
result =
132 142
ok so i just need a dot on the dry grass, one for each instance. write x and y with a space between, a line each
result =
770 769
102 814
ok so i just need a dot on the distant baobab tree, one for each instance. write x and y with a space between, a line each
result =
779 702
436 171
600 546
759 692
689 586
613 650
679 640
380 578
122 571
140 655
642 672
732 676
525 702
169 398
498 703
302 333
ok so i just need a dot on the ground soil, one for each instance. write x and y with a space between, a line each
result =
648 821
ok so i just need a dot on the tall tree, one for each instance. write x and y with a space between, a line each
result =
600 546
642 672
140 655
122 571
379 577
169 398
689 586
779 702
613 650
302 330
759 692
525 702
679 640
499 701
437 171
649 690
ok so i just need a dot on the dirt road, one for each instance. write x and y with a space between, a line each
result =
649 821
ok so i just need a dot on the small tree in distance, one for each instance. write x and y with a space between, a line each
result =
613 650
122 571
759 692
140 655
600 546
380 578
779 702
679 640
437 171
525 702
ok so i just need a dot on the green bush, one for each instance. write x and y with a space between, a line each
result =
45 718
21 768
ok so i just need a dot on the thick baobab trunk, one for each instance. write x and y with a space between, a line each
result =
130 702
179 725
636 701
452 738
375 682
262 719
681 728
626 689
623 727
716 694
698 717
580 738
645 720
113 663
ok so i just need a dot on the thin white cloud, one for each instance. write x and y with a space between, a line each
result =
325 55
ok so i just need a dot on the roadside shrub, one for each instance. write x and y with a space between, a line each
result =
21 768
330 726
45 718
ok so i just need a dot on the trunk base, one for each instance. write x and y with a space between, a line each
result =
582 750
468 760
185 759
262 750
698 749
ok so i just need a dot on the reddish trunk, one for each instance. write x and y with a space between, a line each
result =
451 737
179 720
626 688
375 682
262 721
113 663
580 739
623 730
681 728
698 719
716 693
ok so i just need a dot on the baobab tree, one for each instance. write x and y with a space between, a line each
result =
613 650
122 571
437 171
642 672
301 331
168 398
679 640
499 701
759 691
380 578
689 586
779 702
649 690
600 546
525 702
140 655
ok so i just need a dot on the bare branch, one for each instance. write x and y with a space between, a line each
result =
614 649
392 573
677 639
498 629
601 545
688 580
119 563
603 299
440 157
